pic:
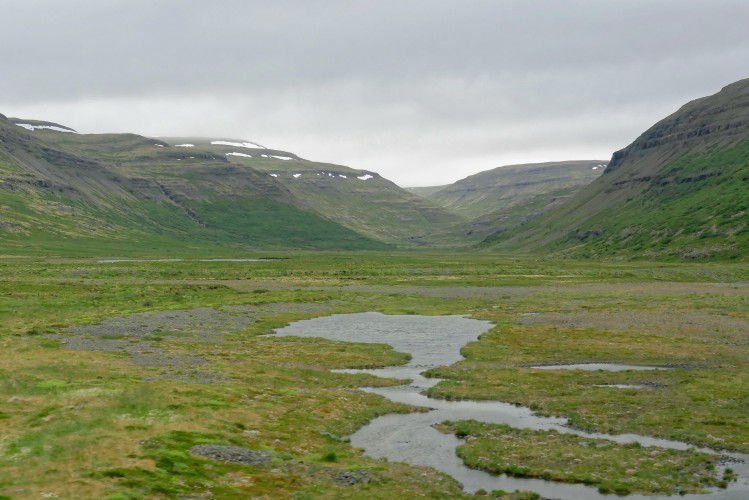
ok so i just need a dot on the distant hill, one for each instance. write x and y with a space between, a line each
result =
500 199
360 200
681 190
505 187
109 187
425 191
67 193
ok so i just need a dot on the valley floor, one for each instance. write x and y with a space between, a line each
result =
126 380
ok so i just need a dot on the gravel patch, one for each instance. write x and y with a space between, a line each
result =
233 454
145 338
351 478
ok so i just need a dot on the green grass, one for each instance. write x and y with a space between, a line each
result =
81 424
268 224
678 330
606 465
696 207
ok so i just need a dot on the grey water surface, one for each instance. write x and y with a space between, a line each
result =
436 341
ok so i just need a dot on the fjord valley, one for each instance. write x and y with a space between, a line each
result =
188 317
497 200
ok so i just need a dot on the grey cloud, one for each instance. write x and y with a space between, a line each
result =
416 89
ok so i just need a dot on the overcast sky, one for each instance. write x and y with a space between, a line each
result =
424 92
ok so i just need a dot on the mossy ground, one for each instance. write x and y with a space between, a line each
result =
609 466
81 424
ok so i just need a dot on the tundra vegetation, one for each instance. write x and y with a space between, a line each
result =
114 375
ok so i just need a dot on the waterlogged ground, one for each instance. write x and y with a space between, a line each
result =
508 441
144 380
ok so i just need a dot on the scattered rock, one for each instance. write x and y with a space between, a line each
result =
139 335
11 227
350 478
728 460
233 454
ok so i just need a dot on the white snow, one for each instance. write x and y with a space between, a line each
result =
595 168
184 145
296 176
330 175
251 145
274 175
365 177
238 154
264 156
341 176
159 145
29 126
192 157
281 157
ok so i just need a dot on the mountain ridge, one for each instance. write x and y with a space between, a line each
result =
128 183
74 192
676 191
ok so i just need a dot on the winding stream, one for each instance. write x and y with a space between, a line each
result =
436 341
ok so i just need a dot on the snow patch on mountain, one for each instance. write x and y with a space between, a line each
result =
245 144
29 126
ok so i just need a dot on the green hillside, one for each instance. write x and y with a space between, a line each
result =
501 188
72 194
679 191
497 200
361 200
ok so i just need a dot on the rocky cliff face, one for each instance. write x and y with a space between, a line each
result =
678 190
723 117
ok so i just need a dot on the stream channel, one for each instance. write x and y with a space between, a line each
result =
436 341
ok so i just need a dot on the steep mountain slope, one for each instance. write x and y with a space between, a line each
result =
92 194
680 189
362 200
358 199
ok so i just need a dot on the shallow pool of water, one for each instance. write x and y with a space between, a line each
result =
436 341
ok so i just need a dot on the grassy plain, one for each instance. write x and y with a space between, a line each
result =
115 415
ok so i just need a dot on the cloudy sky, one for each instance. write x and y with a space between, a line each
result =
423 91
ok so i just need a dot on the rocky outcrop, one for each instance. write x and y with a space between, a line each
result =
722 117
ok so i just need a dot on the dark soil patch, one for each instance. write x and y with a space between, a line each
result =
233 454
